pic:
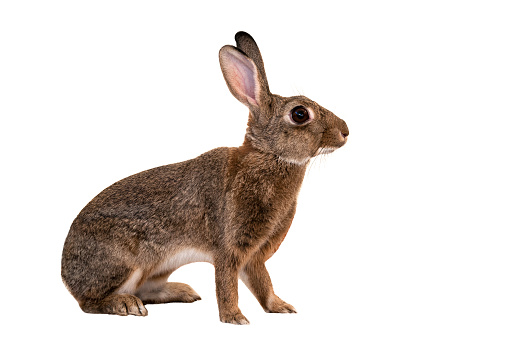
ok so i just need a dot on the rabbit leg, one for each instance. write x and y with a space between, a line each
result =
159 291
257 279
120 304
227 294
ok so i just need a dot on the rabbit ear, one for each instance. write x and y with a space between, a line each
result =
246 44
242 77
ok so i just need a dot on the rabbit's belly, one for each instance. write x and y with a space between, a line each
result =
135 283
181 258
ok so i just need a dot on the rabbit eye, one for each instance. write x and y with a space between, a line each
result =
299 115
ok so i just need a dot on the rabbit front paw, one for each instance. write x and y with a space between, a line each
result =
276 305
236 318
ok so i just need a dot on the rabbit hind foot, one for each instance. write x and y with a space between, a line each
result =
169 292
119 304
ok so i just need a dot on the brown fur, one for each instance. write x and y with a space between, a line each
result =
231 206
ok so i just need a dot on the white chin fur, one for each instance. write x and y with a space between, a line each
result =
295 161
326 150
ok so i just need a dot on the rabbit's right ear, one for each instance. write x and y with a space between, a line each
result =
247 44
243 78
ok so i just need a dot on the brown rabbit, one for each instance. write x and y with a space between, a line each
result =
231 207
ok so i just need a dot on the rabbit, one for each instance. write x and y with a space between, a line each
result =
231 207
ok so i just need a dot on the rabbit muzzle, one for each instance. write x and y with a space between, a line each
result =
335 136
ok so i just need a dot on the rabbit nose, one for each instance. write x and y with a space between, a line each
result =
342 137
343 132
344 129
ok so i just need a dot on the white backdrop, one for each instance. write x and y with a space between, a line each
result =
403 233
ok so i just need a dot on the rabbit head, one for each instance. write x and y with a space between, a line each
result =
295 129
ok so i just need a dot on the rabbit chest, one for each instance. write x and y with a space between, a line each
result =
261 200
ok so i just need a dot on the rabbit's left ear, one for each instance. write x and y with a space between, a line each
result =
242 77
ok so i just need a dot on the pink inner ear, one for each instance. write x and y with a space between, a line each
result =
242 77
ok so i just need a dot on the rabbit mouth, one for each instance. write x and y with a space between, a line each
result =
330 149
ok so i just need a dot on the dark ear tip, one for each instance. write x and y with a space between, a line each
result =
241 35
